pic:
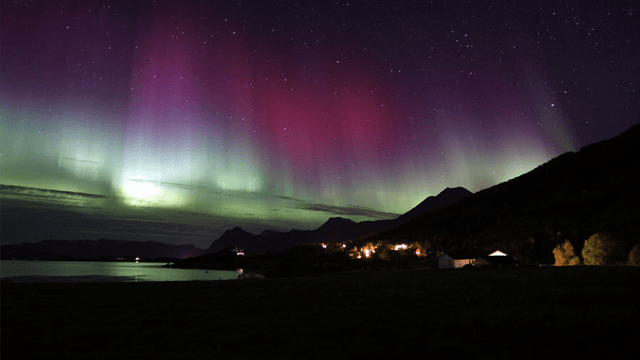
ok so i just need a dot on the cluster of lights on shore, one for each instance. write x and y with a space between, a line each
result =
369 249
365 251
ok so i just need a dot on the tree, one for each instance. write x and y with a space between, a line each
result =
602 249
634 256
565 255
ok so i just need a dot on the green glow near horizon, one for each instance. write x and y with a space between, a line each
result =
74 154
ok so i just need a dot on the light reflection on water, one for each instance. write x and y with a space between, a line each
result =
89 271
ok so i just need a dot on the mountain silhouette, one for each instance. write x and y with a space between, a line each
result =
268 232
335 229
570 197
335 223
447 197
235 237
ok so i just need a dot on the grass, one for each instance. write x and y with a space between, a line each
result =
492 313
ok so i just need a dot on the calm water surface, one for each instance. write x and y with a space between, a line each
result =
88 271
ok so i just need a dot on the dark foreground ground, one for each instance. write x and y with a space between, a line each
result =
521 313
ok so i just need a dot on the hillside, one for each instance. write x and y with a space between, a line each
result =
570 197
447 197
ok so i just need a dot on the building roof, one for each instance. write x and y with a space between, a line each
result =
500 260
498 253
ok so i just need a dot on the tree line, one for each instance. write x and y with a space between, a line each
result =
599 249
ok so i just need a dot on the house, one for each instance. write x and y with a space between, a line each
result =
496 261
456 260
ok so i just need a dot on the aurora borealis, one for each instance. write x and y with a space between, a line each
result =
207 115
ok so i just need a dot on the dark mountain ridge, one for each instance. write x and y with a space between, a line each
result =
237 237
335 223
336 229
447 197
570 197
272 242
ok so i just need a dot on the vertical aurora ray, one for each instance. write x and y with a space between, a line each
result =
161 134
237 169
187 122
324 127
87 150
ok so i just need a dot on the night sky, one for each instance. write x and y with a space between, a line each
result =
176 120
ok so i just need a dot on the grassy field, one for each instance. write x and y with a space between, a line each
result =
525 313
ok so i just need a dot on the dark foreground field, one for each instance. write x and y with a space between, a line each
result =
528 313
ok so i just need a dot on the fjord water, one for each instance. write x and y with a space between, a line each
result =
90 271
